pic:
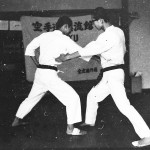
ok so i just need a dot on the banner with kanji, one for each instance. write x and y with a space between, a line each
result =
83 32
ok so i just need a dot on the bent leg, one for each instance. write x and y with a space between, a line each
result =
36 93
97 94
67 96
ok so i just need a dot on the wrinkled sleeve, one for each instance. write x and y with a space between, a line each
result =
32 46
72 46
99 46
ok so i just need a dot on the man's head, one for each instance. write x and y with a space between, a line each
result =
100 17
64 24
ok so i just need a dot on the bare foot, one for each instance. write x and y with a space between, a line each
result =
141 143
76 131
17 122
85 124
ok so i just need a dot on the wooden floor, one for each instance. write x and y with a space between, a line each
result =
47 124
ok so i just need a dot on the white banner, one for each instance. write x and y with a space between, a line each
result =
15 25
3 25
83 32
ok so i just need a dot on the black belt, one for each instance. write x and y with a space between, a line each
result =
47 67
122 66
113 67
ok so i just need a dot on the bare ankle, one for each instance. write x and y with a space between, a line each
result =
70 127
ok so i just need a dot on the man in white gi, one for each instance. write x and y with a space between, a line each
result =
51 45
110 45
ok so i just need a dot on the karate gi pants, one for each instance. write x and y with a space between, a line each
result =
48 80
113 83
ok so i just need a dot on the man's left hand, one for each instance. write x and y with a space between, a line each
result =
61 58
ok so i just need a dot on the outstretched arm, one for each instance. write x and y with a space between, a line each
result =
73 55
66 57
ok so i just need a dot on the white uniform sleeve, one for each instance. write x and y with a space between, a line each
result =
102 44
72 46
86 58
32 46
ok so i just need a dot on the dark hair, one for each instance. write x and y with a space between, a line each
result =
101 13
63 20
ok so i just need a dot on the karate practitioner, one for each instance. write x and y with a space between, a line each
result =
52 44
111 47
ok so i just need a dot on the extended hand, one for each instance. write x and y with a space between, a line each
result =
96 58
61 58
